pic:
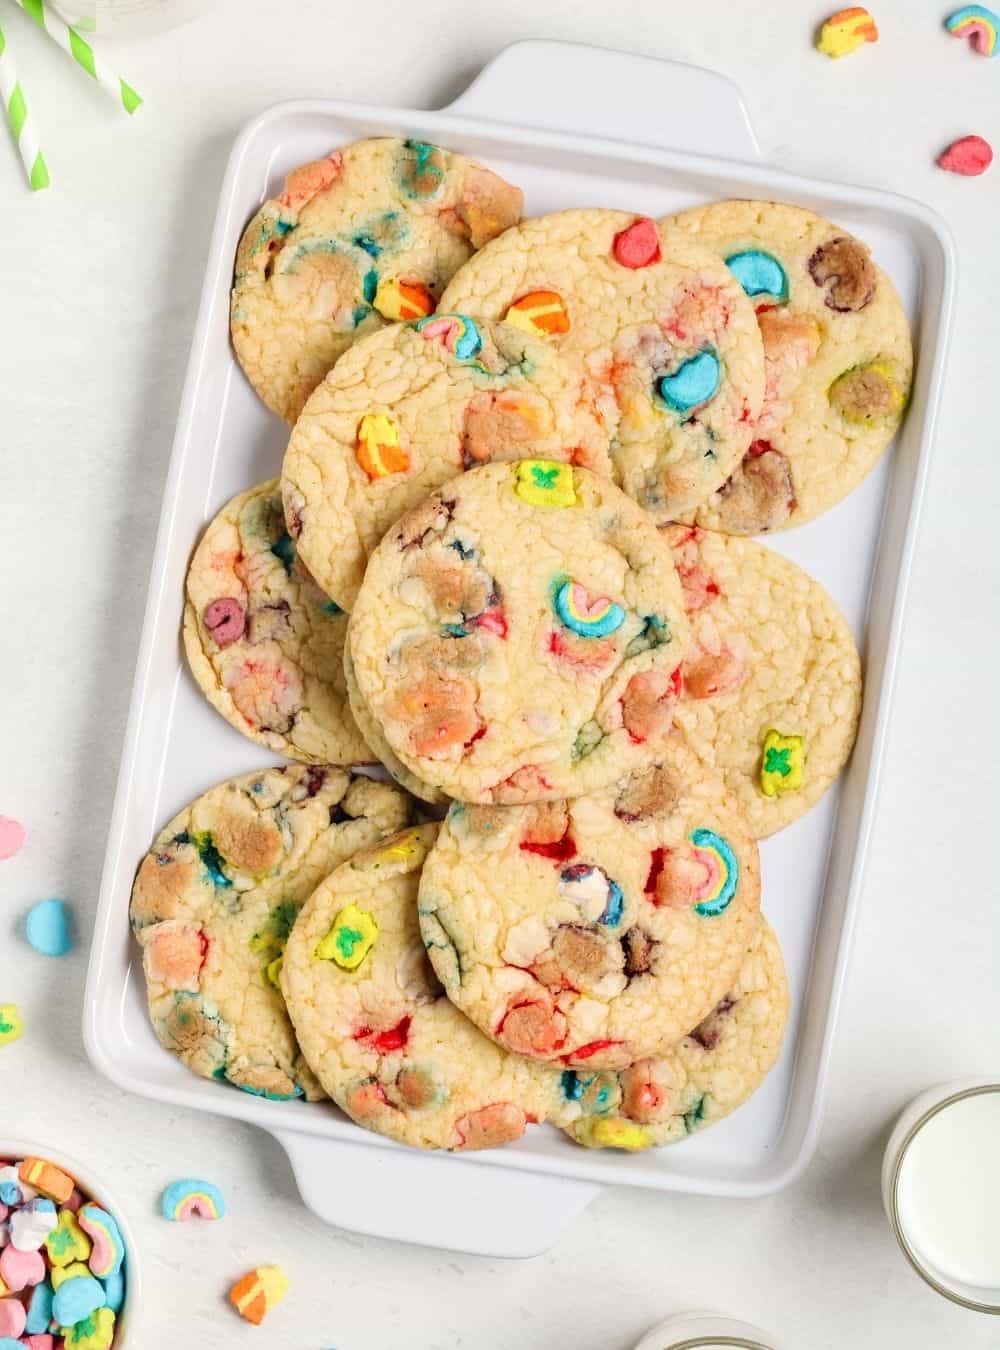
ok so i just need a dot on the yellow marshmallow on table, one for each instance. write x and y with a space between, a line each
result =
845 31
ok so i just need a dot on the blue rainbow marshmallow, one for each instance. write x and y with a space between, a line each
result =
977 23
190 1198
108 1251
585 614
693 383
456 333
759 273
724 873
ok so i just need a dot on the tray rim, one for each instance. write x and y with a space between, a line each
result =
774 182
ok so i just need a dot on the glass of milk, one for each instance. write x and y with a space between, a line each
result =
706 1331
130 18
941 1190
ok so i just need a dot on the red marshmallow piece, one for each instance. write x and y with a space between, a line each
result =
638 245
968 156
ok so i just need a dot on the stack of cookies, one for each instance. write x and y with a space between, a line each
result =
542 692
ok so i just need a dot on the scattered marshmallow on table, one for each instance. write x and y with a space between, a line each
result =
257 1293
190 1198
846 31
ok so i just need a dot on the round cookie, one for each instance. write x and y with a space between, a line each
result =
372 733
664 330
215 899
369 235
705 1077
594 932
838 361
376 1026
518 636
772 677
264 643
408 408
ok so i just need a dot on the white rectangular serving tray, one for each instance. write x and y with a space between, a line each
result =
570 101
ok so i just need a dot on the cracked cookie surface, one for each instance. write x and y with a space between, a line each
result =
702 1079
215 899
838 361
664 330
770 653
405 410
597 931
369 235
264 643
519 635
375 1025
372 733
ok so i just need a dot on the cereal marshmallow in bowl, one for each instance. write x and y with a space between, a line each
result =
69 1279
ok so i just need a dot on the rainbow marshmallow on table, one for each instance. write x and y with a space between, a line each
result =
977 23
190 1198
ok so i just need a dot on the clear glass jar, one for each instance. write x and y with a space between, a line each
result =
940 1170
130 18
706 1331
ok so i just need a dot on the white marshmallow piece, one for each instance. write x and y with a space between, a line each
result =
30 1226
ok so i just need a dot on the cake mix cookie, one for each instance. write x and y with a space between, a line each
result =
263 641
369 235
519 635
408 408
838 361
376 1026
664 330
215 899
372 733
772 678
597 931
707 1075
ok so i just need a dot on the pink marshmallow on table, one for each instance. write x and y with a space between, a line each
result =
75 1201
21 1270
12 1317
12 836
43 1342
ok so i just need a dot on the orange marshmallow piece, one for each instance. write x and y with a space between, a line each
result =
257 1293
47 1178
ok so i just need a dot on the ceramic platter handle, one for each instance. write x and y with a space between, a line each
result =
433 1200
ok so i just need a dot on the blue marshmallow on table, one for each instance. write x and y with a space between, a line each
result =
8 1343
47 928
76 1299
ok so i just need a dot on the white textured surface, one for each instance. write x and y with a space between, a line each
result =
99 279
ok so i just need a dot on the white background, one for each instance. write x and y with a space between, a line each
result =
99 279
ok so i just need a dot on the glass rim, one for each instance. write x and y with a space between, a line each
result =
733 1342
974 1305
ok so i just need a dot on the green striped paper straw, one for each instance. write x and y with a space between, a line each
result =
21 125
82 53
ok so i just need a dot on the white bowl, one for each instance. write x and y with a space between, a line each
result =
127 1320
